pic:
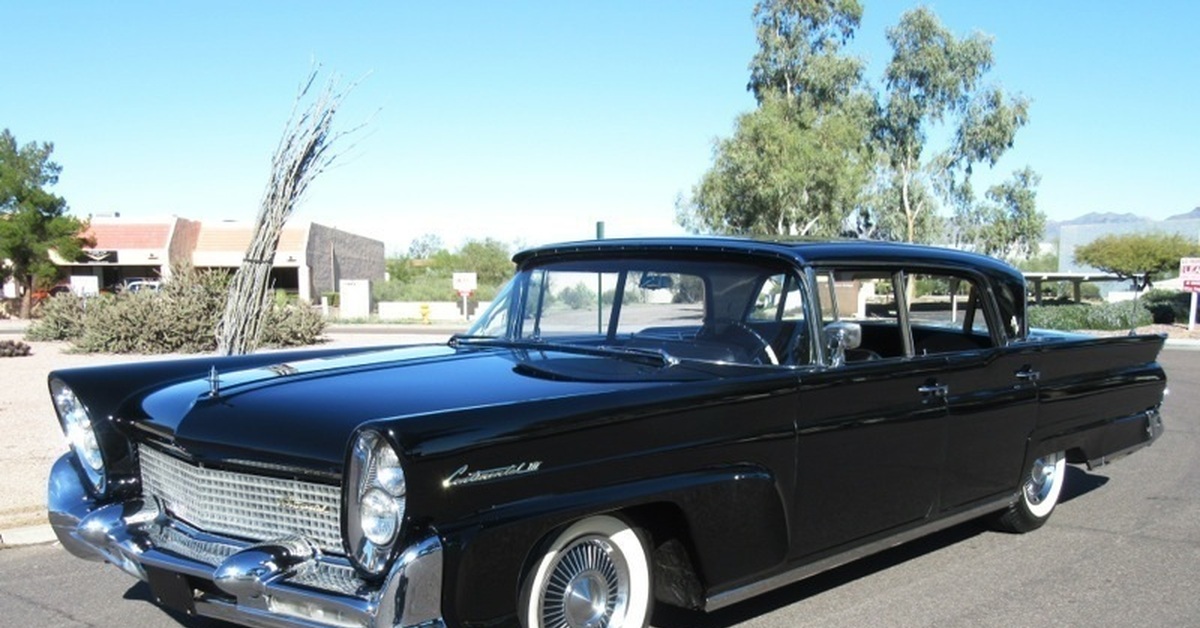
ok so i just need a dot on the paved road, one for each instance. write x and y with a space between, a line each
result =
1123 549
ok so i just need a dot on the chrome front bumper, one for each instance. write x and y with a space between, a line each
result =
283 582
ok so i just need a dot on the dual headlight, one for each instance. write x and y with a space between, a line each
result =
375 500
81 433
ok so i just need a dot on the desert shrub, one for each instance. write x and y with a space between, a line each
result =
14 349
1102 316
62 317
181 318
292 325
577 297
1168 306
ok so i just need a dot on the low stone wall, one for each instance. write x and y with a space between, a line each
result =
417 310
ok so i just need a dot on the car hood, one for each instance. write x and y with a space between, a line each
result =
303 413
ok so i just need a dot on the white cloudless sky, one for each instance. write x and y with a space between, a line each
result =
530 121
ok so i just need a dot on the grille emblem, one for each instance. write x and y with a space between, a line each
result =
295 505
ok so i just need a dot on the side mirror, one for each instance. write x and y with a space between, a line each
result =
840 337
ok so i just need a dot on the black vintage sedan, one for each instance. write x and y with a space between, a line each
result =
632 422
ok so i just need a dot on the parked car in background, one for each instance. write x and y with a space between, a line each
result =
138 284
687 422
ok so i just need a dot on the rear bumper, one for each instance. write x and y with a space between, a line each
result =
283 582
1126 436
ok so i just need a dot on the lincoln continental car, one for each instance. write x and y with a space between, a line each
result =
687 422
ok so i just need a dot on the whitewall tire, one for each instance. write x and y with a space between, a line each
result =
595 574
1040 490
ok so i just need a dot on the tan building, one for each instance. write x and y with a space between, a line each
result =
309 261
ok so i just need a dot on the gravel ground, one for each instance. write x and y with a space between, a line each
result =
33 440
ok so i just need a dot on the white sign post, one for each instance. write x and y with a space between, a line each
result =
465 284
1189 273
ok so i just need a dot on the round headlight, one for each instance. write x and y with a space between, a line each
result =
388 473
377 514
80 432
375 494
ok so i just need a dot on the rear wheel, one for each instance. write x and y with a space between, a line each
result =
1039 494
595 574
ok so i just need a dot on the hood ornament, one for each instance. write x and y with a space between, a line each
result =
214 383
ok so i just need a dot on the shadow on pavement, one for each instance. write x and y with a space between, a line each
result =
1079 482
667 617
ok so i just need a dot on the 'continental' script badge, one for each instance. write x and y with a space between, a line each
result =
291 503
463 475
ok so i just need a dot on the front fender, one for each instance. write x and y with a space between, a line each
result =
732 517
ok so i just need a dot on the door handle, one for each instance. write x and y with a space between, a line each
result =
934 390
1028 374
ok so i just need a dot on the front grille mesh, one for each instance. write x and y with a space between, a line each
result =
253 507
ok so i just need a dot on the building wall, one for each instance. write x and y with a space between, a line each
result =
334 255
183 242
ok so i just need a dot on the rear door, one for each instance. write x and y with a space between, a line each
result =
871 432
991 391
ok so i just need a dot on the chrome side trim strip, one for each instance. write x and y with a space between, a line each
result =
733 596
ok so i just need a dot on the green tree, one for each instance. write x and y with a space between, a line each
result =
796 164
425 246
1137 257
33 221
489 259
934 81
1008 223
799 50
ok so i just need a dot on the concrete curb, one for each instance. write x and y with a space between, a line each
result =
28 535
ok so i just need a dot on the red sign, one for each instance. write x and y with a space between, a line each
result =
1189 272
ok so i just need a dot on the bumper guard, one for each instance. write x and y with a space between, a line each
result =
266 585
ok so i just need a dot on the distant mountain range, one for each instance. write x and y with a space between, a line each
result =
1053 226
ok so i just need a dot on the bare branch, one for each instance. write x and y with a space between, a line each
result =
304 151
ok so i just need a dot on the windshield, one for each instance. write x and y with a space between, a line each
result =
711 310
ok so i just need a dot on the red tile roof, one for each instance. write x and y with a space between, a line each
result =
109 236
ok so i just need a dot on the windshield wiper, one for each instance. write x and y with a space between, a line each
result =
637 353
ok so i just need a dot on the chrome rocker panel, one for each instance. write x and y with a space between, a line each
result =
266 585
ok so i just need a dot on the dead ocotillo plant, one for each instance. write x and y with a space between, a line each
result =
303 153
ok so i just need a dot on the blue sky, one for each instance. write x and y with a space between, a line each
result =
530 121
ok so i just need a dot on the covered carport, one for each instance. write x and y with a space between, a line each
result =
1076 279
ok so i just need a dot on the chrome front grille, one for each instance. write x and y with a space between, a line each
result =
243 505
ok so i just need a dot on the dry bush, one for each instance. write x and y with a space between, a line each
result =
181 318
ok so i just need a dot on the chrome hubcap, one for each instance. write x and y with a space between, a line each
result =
587 588
1041 479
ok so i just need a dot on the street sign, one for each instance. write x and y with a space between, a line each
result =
1189 272
465 283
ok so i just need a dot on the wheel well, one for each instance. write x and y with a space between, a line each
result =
672 553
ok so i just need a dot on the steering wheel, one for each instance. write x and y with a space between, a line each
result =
757 344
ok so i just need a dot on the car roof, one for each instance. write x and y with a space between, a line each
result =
801 252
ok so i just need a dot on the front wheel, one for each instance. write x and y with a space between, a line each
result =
594 575
1039 494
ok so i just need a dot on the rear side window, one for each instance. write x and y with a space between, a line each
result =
946 314
906 312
